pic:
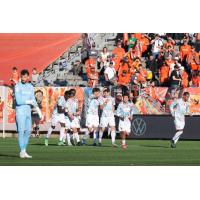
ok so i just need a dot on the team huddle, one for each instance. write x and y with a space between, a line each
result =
101 115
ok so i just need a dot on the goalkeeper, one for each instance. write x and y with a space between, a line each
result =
25 98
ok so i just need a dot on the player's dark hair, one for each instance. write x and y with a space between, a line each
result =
126 94
72 92
106 90
95 90
67 94
186 94
24 72
37 91
14 68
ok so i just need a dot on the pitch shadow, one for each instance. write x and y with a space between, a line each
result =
10 156
155 146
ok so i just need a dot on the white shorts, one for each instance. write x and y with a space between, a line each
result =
58 118
179 123
92 121
75 123
125 126
107 121
67 123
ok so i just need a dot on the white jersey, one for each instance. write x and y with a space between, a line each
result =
60 102
179 109
93 106
124 110
72 106
108 109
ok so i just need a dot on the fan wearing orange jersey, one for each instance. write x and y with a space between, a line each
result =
89 62
144 42
164 73
93 77
184 76
185 50
193 60
119 51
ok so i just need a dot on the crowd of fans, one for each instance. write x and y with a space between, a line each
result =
168 60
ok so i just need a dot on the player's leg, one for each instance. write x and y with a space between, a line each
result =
95 135
112 130
62 134
75 125
86 136
67 128
103 124
27 134
123 139
37 127
176 138
20 121
54 121
179 124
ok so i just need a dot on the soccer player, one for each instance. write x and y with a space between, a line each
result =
124 112
92 117
73 113
34 114
58 116
107 105
179 108
25 98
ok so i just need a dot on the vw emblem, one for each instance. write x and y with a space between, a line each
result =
139 126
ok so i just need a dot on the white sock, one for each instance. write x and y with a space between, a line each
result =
68 138
94 136
113 135
100 136
49 132
109 131
76 136
123 142
86 135
177 136
62 133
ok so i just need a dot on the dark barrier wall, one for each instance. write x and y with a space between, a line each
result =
162 127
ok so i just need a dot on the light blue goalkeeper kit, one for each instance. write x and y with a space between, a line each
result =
24 95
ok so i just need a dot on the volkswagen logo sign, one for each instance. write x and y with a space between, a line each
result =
138 126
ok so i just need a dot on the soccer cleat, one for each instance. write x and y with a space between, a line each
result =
115 145
124 146
100 144
78 144
173 145
69 144
72 141
22 154
46 142
61 143
94 144
27 156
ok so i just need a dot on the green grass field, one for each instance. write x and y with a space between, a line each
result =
139 152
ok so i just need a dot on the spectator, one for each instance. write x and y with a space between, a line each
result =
14 79
185 50
157 43
195 79
90 62
131 41
104 56
175 80
184 76
77 68
93 77
193 60
144 42
34 77
164 74
119 51
110 75
152 65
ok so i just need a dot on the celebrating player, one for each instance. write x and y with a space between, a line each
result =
124 112
92 118
25 98
73 113
58 116
179 108
107 105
